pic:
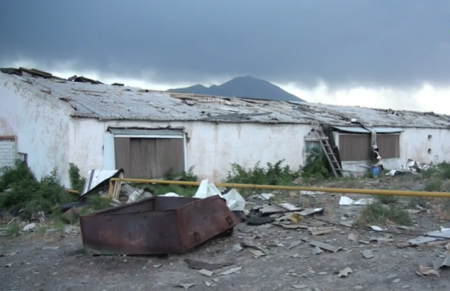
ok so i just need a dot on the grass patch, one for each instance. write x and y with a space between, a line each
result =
13 230
380 214
386 199
24 195
417 201
441 170
434 185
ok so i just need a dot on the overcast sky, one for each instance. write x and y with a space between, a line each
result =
379 53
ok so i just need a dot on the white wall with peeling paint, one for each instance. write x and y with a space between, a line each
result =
211 147
41 126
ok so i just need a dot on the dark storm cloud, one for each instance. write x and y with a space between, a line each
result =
375 43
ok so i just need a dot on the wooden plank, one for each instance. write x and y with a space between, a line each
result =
122 154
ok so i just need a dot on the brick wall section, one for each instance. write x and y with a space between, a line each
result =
7 153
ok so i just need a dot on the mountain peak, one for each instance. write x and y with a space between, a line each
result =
244 87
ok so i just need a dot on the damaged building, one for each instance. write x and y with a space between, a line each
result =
51 122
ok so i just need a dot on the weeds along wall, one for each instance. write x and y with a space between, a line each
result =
211 148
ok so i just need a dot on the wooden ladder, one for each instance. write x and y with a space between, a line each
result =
326 147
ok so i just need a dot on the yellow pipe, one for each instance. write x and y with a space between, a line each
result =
72 191
291 188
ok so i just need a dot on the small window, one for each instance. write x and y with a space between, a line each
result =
429 137
389 146
23 157
429 151
355 147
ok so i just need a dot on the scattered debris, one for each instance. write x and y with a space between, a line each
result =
99 179
206 272
51 248
294 244
238 247
415 211
344 272
414 166
266 196
157 266
346 201
208 284
29 227
311 211
185 286
376 228
311 193
294 226
441 262
230 271
256 253
199 265
368 254
427 271
325 246
258 220
234 200
9 265
292 218
299 286
353 237
138 194
317 251
271 209
381 239
316 231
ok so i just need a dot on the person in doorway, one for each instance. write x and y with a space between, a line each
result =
376 158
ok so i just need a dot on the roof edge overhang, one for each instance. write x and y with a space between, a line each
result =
380 130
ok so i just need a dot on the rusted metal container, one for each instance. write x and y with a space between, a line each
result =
157 225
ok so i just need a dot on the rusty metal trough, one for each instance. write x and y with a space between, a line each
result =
157 225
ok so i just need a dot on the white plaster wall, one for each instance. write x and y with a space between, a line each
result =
414 144
41 127
211 148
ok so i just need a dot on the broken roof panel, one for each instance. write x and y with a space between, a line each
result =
107 102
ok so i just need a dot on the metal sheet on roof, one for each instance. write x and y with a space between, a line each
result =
146 132
387 130
352 129
106 102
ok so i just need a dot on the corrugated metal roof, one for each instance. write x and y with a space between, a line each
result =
363 130
107 102
387 130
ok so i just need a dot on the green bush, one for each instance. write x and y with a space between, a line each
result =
76 181
316 166
273 174
10 175
28 195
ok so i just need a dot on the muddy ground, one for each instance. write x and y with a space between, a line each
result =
56 261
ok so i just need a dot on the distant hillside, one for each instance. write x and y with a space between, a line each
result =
247 87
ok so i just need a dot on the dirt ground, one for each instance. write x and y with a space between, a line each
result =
56 261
